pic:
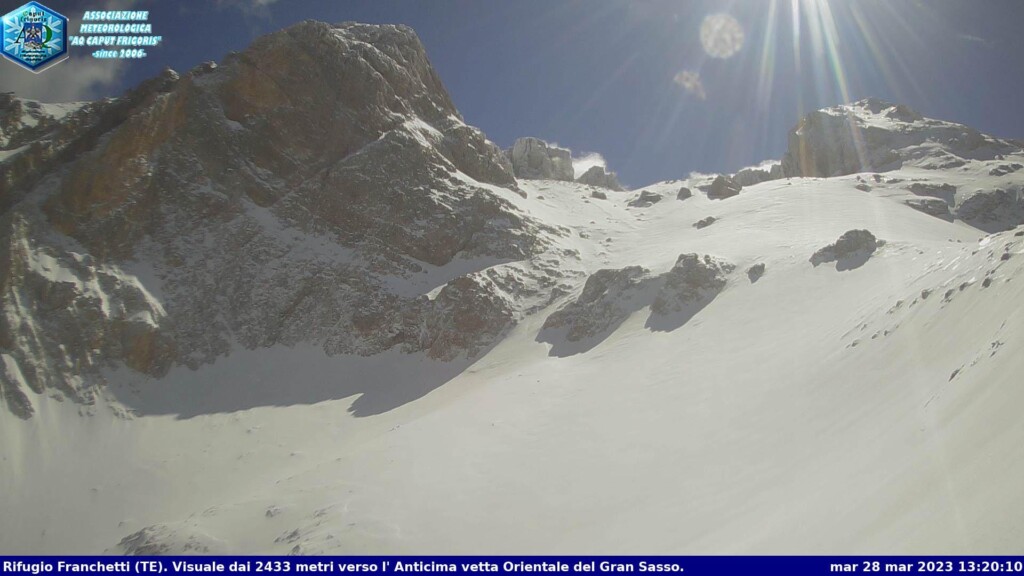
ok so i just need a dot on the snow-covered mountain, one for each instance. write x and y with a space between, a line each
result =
241 317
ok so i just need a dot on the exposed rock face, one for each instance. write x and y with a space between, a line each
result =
467 315
903 113
608 298
221 209
1004 169
751 176
931 206
599 195
597 176
684 193
823 144
946 192
692 280
36 138
722 187
81 312
534 159
755 272
992 210
988 210
704 222
645 199
873 135
851 250
165 540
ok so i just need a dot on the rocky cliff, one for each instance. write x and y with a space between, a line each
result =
534 159
321 191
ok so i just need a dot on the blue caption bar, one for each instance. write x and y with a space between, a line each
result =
693 565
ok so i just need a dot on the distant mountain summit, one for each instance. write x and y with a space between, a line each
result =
875 135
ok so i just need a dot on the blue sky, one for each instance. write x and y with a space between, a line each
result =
598 75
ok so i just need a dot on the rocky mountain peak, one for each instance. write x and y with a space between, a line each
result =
296 192
535 159
876 135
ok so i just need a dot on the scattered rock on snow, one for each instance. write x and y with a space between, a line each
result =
645 199
755 272
611 295
162 539
931 206
946 192
1004 169
692 283
722 187
992 210
692 278
851 250
704 222
607 299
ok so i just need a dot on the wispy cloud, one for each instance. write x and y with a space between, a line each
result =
691 82
976 40
81 77
587 161
255 10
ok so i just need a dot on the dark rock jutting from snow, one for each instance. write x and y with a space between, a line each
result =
645 199
992 210
687 288
931 206
755 272
600 177
946 192
705 222
722 187
610 296
851 250
752 176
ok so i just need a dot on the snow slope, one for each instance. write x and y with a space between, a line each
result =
868 408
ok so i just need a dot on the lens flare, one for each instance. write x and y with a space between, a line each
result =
691 82
721 35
